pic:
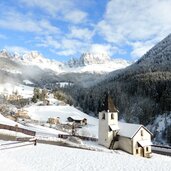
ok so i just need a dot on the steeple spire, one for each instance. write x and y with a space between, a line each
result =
108 104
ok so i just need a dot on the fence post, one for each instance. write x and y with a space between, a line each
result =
35 142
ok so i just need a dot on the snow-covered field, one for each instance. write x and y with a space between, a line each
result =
57 158
8 89
42 113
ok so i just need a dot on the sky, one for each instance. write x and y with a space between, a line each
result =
62 29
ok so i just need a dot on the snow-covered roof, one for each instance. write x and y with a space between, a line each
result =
76 118
129 129
114 127
144 143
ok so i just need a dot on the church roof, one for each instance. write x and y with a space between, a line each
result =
129 129
108 104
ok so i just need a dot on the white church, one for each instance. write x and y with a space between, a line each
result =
132 138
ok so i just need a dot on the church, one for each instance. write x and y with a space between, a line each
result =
132 138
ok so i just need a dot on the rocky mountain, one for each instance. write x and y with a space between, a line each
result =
95 62
89 59
85 71
37 59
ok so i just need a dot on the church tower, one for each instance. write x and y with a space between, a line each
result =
108 122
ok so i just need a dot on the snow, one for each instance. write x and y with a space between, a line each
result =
114 127
27 82
144 143
6 121
8 89
127 129
44 131
77 118
56 158
88 62
158 126
13 133
96 68
42 113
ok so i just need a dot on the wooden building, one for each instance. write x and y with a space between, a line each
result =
54 120
77 120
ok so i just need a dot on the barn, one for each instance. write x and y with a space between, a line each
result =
77 120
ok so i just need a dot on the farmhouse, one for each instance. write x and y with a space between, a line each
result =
77 120
53 120
132 138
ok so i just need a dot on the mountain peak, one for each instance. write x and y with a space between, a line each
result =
94 58
4 53
89 59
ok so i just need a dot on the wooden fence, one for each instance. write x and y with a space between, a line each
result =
17 129
64 136
17 144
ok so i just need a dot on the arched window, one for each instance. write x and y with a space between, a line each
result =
103 117
112 116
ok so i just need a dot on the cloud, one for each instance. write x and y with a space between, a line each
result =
51 7
14 20
105 49
81 33
48 41
76 16
63 10
72 47
17 49
140 48
137 22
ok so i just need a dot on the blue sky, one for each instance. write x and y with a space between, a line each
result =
61 29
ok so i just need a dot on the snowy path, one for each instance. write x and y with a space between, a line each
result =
53 158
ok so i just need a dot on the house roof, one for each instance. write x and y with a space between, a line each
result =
129 129
77 118
114 127
144 143
108 104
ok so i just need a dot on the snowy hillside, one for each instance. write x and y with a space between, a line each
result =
42 113
56 158
160 128
6 121
23 90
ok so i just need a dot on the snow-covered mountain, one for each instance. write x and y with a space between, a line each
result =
89 59
88 62
35 58
33 66
95 63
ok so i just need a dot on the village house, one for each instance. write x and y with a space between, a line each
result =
22 113
54 120
77 120
132 138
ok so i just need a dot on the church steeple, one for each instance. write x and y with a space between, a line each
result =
108 104
108 122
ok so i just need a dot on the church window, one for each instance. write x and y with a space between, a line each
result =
103 117
141 132
137 151
112 116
